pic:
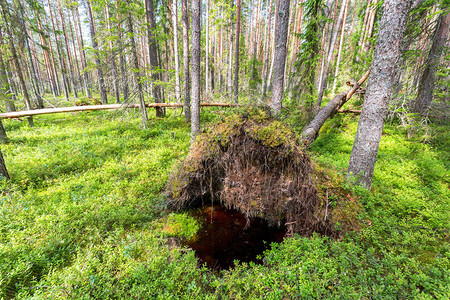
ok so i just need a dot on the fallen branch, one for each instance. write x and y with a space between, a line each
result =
312 130
44 111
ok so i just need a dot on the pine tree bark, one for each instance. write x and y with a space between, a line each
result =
52 55
341 42
187 79
385 64
207 49
26 96
5 89
196 37
62 67
3 136
236 54
101 81
122 61
136 72
427 79
323 81
153 55
3 170
175 44
281 29
79 35
35 82
114 74
69 55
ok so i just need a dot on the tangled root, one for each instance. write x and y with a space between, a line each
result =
256 165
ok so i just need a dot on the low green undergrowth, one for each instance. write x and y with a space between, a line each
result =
83 217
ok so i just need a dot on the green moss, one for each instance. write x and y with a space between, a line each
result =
273 134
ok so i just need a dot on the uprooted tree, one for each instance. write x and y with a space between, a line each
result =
258 166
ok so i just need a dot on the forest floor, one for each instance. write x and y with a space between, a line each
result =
84 217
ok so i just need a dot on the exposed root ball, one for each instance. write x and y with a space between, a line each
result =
255 165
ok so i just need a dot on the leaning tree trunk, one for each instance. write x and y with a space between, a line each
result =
101 82
281 28
427 80
187 80
136 72
196 36
385 64
311 131
153 54
236 53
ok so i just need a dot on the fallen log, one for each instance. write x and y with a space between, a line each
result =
44 111
312 130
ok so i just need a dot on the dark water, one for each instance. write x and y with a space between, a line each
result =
225 236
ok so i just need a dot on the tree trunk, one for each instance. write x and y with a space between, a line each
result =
175 44
427 80
112 57
34 79
76 63
267 50
3 136
136 72
272 39
207 49
311 131
385 64
5 14
196 36
230 63
60 56
323 81
79 35
3 170
341 42
5 89
281 28
122 61
69 55
236 54
187 80
153 54
101 82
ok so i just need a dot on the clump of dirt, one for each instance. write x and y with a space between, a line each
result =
258 166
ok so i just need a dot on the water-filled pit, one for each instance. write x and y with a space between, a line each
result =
227 235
